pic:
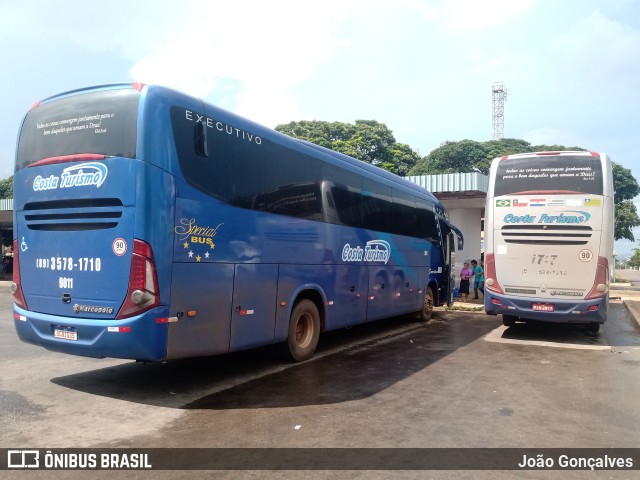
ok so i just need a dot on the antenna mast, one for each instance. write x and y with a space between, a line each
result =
499 95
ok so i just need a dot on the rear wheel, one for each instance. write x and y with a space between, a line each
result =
593 327
508 320
304 330
427 309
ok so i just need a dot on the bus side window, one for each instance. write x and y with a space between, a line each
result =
428 227
201 146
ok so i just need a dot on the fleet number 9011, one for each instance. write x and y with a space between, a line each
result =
68 264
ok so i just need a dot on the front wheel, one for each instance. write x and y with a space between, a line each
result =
304 330
427 308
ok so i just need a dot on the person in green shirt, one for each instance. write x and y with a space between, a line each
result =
478 284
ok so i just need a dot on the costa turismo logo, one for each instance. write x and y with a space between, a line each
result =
374 251
84 174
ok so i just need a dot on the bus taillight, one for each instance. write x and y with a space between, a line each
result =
16 286
491 281
601 283
142 293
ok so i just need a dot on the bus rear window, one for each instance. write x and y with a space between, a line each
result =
95 122
549 174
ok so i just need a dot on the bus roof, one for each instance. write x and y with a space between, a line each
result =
572 153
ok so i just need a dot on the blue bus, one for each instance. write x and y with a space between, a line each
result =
150 225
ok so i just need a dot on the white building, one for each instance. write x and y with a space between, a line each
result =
463 195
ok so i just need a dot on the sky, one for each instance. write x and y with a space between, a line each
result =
425 68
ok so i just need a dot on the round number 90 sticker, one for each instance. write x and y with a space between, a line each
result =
119 246
585 255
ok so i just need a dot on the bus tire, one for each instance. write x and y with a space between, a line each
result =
304 330
427 307
508 320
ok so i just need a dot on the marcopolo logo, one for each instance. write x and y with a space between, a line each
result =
374 251
85 174
92 309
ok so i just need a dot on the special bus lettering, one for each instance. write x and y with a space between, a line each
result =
189 228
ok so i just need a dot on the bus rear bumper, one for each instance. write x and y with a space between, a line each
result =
136 338
548 310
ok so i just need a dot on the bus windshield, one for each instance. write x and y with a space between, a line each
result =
96 122
578 174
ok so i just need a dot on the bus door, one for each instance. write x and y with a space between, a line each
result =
201 304
452 238
201 289
253 314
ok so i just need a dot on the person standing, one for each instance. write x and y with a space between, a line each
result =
465 275
478 283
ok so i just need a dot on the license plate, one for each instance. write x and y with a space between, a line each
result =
543 307
65 334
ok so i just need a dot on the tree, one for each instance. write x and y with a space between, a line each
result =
6 187
470 156
626 216
634 261
452 157
366 140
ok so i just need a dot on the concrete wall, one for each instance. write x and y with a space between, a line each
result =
469 221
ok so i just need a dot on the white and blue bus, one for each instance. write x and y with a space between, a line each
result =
150 225
549 237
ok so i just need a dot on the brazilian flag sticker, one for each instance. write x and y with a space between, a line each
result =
503 203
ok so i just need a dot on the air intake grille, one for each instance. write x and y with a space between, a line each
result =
73 215
546 234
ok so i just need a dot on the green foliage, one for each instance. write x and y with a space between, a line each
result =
626 218
6 187
366 140
451 157
634 261
470 156
624 183
374 143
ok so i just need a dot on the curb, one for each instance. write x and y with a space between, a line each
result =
633 307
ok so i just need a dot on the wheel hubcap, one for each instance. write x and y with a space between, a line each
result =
304 330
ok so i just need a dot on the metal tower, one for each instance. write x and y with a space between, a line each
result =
499 97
